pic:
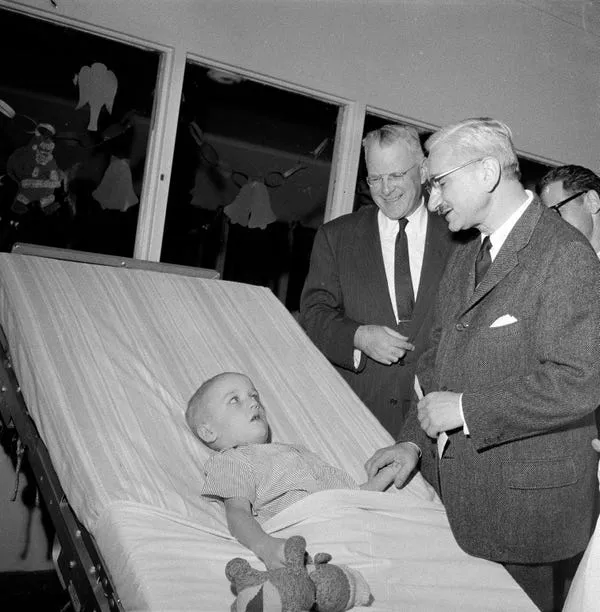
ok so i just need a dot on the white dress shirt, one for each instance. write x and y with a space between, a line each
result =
416 233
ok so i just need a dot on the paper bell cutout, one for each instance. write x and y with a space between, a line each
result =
97 87
252 206
115 191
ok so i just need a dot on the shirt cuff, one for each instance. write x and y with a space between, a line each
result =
357 357
462 415
417 447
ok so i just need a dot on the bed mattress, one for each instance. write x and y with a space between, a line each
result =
107 359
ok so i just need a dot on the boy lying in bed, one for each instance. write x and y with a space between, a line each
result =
254 477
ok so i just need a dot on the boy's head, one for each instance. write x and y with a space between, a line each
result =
226 411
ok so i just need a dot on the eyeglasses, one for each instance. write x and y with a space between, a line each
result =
434 182
558 205
395 178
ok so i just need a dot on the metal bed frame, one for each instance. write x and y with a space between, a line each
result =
78 562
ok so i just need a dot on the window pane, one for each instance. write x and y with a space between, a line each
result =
249 181
73 153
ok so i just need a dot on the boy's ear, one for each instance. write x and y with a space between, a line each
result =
592 201
206 434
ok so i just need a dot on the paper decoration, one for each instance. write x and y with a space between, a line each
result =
7 109
97 87
252 206
35 170
115 191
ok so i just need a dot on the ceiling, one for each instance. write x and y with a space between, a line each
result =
584 14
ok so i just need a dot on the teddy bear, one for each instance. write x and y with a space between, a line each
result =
301 586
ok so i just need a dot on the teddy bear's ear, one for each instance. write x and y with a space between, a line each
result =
321 558
294 551
236 567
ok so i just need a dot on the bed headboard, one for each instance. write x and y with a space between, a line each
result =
23 248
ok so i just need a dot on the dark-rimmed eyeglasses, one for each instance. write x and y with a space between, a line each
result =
560 204
395 178
434 181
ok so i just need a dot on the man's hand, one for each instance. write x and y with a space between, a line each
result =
596 444
439 411
381 343
403 456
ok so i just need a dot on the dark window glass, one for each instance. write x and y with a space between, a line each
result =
72 155
249 181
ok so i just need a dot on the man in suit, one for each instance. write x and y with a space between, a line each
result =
512 376
574 192
373 277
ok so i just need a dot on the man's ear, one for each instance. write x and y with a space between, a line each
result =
492 172
424 172
591 200
206 434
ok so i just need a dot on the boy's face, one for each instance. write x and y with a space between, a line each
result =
234 413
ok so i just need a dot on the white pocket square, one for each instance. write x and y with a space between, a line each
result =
503 320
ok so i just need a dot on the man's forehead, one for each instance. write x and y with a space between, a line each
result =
440 159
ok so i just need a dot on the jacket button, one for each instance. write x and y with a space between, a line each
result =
459 327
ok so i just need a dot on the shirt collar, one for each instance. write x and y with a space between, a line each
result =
389 226
498 236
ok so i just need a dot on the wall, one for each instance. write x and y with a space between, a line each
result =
432 62
23 547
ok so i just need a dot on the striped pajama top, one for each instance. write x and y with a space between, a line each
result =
271 476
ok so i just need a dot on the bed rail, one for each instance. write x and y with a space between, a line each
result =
24 248
78 561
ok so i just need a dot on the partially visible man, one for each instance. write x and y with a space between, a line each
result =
512 377
373 278
574 192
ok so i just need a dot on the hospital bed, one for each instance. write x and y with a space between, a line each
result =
99 362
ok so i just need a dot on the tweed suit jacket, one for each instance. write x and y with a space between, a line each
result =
520 487
347 287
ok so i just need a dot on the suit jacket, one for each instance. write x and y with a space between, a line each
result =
520 487
347 287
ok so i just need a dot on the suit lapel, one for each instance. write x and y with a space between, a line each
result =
508 256
372 269
434 258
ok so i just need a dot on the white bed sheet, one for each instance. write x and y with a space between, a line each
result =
107 359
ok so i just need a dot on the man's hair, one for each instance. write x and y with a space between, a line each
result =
480 137
391 134
573 179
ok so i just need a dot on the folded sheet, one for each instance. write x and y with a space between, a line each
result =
400 542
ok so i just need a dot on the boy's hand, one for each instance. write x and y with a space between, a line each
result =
596 444
272 552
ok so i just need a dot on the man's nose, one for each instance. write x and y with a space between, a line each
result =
435 200
386 185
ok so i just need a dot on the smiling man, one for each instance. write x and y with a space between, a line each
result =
512 377
373 278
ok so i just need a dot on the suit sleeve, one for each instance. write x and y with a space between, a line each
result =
322 312
563 385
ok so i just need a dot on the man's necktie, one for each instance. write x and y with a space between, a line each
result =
483 260
403 282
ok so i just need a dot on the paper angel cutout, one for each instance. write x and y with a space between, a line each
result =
115 191
97 87
252 206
